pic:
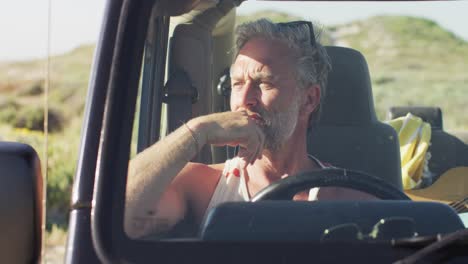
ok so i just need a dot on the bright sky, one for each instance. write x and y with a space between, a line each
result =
23 26
23 23
452 15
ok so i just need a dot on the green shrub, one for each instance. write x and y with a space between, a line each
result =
32 118
59 189
384 79
8 110
33 89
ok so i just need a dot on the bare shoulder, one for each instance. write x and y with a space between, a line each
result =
192 171
198 177
198 182
218 167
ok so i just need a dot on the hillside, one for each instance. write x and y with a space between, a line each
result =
22 84
413 61
22 104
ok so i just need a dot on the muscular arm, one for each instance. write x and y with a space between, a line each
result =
157 192
153 204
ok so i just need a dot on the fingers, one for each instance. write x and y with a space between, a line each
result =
259 149
243 155
237 128
262 144
259 142
253 148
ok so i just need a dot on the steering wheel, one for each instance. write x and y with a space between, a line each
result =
286 188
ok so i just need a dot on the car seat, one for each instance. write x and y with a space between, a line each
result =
348 134
431 115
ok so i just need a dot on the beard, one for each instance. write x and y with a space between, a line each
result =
278 125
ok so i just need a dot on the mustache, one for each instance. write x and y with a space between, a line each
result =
261 114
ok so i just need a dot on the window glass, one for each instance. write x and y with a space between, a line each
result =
417 55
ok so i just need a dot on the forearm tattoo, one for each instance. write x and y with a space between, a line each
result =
151 222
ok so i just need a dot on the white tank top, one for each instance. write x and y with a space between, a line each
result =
233 188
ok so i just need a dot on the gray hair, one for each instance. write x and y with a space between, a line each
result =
312 61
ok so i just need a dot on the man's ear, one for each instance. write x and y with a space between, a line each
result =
311 99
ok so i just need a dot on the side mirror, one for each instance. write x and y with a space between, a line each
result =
21 204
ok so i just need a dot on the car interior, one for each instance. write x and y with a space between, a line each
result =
348 135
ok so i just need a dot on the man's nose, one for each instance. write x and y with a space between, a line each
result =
249 95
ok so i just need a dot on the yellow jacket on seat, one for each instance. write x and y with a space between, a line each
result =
414 136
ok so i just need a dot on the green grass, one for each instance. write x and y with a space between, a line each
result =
54 248
56 236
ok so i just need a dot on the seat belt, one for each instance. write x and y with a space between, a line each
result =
179 95
224 89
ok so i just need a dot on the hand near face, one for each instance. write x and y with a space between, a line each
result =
241 128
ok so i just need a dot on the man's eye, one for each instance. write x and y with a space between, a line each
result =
237 85
265 85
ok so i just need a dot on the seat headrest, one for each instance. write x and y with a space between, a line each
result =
348 99
431 115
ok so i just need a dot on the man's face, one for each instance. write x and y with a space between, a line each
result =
263 82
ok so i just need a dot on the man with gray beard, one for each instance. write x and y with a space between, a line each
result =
278 81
